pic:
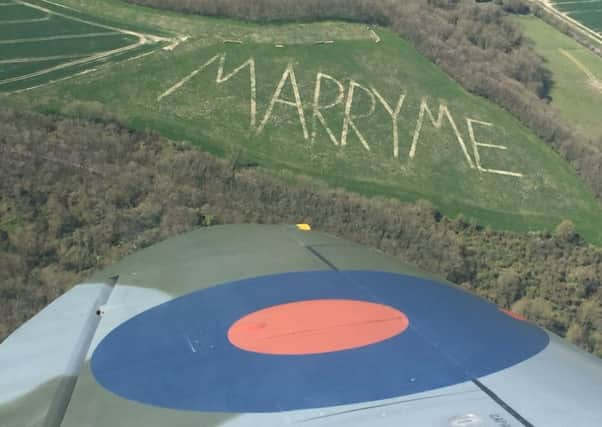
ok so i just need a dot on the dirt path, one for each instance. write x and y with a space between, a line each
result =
60 5
140 36
591 77
39 59
63 37
25 21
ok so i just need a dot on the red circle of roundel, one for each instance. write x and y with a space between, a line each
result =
316 326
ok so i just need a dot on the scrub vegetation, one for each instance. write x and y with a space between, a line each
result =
76 196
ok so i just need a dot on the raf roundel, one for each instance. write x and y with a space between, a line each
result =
316 326
311 339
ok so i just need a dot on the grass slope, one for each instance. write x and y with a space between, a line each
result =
218 116
574 94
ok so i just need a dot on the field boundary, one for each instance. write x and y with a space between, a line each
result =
575 25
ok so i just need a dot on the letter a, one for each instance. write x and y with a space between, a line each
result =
289 73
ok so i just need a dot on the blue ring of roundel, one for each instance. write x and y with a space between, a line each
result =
177 355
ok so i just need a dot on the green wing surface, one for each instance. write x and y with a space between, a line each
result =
261 325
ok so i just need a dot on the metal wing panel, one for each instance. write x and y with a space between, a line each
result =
214 255
41 360
239 262
561 386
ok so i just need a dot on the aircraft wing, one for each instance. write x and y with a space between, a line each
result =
266 326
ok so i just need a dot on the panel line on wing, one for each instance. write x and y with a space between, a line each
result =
503 404
321 258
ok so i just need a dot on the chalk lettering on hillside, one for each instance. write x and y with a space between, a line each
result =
348 120
394 113
252 79
317 115
443 112
288 75
476 146
185 80
352 112
221 78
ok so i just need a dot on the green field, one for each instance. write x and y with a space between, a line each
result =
577 74
284 97
41 41
13 13
588 12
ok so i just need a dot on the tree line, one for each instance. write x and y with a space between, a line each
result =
472 41
77 195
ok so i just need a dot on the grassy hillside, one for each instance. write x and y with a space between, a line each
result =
577 73
270 95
